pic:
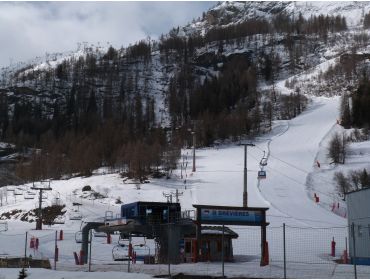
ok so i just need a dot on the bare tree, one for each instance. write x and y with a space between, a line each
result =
338 147
342 184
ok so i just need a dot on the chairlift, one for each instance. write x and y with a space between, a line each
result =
28 196
18 191
108 216
75 216
142 251
99 233
30 192
43 204
120 252
57 201
262 174
123 241
78 237
59 220
263 161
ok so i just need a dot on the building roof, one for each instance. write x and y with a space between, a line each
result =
355 191
217 230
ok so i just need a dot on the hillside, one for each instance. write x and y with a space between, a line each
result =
104 127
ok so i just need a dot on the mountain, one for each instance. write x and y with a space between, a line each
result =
226 76
228 13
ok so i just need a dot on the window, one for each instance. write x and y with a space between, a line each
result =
359 228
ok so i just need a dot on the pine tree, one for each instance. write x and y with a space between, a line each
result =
345 112
364 179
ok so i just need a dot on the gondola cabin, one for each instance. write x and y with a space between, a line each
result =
262 174
151 212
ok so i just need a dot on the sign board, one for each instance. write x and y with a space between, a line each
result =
230 215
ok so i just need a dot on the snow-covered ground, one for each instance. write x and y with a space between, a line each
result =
39 273
292 148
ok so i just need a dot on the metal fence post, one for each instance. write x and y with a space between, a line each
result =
284 250
129 252
55 250
25 250
168 250
222 251
354 248
90 233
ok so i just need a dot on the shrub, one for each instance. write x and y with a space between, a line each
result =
86 189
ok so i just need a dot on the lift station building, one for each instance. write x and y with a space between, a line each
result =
358 208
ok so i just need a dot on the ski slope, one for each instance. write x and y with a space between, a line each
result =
291 147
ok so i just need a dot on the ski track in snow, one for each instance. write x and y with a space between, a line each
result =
289 196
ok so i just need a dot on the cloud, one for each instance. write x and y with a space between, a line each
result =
29 29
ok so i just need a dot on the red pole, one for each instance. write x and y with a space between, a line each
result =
109 238
345 257
333 248
32 242
265 257
37 244
61 235
82 254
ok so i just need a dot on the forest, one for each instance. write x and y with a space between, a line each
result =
99 109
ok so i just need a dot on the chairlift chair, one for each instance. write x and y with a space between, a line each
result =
263 161
59 220
18 191
120 252
78 237
99 233
123 241
28 196
142 251
75 216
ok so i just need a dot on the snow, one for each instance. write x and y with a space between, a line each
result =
39 273
292 148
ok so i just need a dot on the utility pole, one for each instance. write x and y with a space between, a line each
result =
245 190
39 214
177 195
168 196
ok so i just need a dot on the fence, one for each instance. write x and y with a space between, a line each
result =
294 252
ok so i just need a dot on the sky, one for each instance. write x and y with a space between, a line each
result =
30 29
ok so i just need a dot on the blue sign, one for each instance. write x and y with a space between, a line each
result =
229 215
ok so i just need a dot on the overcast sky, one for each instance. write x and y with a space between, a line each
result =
29 29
